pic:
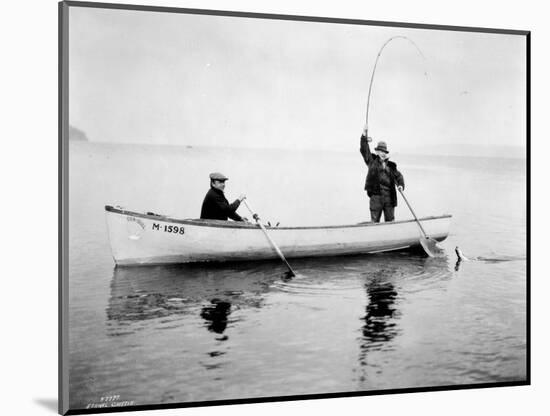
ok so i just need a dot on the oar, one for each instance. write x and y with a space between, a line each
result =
279 252
428 244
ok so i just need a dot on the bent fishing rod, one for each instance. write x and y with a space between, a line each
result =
376 64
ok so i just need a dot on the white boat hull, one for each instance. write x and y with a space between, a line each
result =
140 239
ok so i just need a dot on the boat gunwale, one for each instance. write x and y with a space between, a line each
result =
252 226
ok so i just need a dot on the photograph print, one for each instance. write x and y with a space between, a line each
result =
265 207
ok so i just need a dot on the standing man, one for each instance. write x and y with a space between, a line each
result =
215 206
382 178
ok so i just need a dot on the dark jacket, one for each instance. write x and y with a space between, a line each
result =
372 183
216 207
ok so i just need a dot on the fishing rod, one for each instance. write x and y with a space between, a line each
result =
428 244
376 63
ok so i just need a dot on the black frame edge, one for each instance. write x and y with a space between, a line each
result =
318 19
63 120
528 201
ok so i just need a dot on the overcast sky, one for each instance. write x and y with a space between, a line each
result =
164 78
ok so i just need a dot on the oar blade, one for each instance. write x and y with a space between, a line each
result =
289 274
430 247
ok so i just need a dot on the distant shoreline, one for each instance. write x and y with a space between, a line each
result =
499 152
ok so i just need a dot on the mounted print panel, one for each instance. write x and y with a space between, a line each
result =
264 207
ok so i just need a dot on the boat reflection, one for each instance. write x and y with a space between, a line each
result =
169 297
140 295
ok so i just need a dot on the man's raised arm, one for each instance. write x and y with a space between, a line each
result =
364 147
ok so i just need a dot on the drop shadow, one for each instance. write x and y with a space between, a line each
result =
49 404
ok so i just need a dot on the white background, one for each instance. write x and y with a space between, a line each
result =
29 205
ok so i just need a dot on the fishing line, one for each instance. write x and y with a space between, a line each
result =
376 64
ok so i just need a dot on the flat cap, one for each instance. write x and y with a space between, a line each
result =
217 176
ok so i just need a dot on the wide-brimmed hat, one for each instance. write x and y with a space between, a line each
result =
217 176
382 147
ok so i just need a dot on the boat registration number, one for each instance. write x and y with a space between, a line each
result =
174 229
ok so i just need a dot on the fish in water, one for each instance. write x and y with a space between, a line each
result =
460 255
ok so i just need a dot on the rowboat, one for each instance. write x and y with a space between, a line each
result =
138 238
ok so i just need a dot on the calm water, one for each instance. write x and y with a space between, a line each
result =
148 335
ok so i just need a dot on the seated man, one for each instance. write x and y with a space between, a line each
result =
215 206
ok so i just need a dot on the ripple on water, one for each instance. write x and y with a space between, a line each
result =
333 276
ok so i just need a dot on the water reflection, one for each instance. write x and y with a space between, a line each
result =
380 312
162 295
216 315
182 296
386 282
